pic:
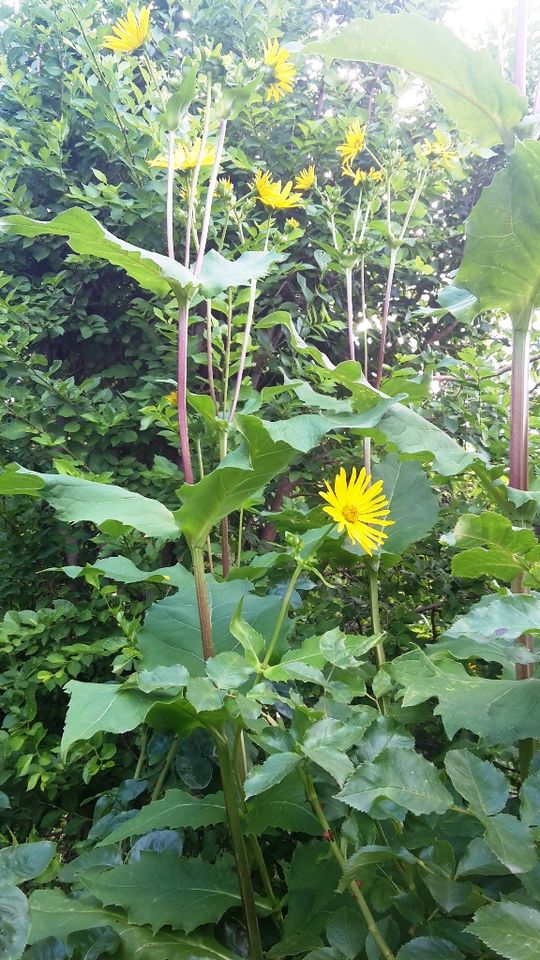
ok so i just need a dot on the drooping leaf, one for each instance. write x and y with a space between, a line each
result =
510 929
272 771
501 260
512 842
478 781
171 633
24 861
414 506
492 547
55 914
76 499
14 922
149 890
176 809
467 82
491 627
402 776
85 235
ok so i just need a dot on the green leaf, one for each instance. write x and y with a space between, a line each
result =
510 929
179 102
429 948
76 499
356 865
501 260
454 897
251 640
273 770
85 235
312 880
176 809
284 807
148 890
511 842
402 776
491 627
492 547
500 711
56 915
229 670
346 932
14 481
172 635
14 922
529 797
479 861
414 507
335 762
123 570
95 707
467 82
218 274
171 679
478 781
24 861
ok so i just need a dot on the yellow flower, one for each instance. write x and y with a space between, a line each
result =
172 398
359 176
131 32
291 223
185 158
272 195
282 69
305 179
358 506
354 142
226 183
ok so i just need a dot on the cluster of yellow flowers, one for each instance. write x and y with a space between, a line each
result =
273 195
186 157
354 143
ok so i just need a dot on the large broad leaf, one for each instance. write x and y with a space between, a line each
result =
492 547
171 633
402 776
501 260
285 807
467 82
14 923
429 948
149 890
176 809
490 628
510 929
478 781
312 879
56 915
500 711
414 507
95 707
25 861
266 451
272 771
218 274
512 842
85 235
76 499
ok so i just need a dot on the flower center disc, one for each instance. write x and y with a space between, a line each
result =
351 514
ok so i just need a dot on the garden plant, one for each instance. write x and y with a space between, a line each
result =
270 575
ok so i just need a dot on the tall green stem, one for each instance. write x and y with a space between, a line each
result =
202 602
169 759
375 611
233 806
313 799
282 614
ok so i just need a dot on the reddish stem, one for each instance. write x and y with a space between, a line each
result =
520 65
385 312
183 314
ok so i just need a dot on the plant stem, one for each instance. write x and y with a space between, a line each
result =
202 602
142 754
350 312
313 799
519 410
169 759
183 428
282 613
233 806
196 172
170 196
240 530
375 611
227 359
209 361
385 312
210 197
520 62
245 344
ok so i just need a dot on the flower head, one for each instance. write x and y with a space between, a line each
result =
272 195
282 70
305 179
185 158
360 176
291 223
354 143
359 507
172 398
129 32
